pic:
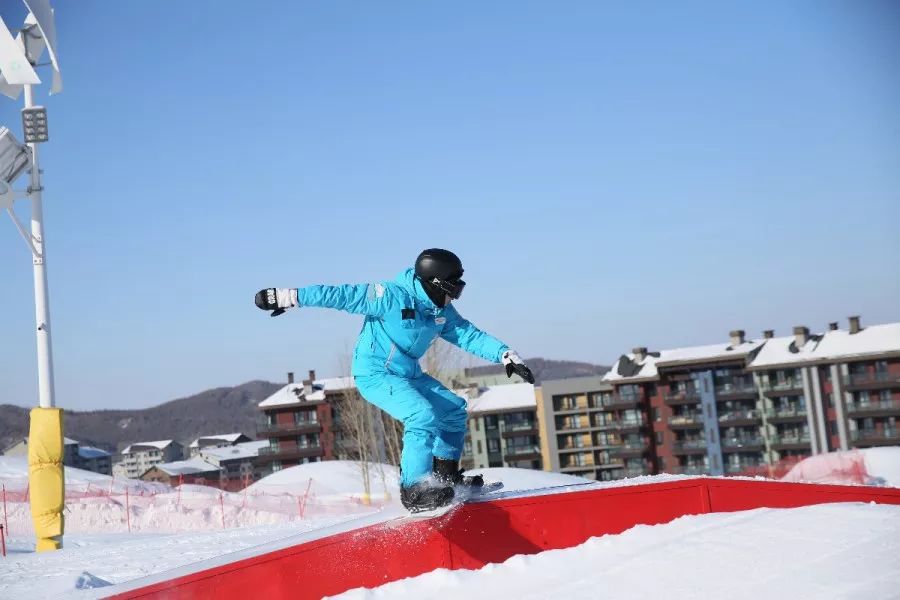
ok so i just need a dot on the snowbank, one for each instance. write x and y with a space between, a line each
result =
331 480
826 551
871 466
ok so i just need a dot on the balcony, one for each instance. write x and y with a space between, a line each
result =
871 381
265 429
737 392
732 469
686 422
736 418
794 414
685 447
622 401
516 429
288 452
519 451
790 442
583 425
788 387
627 425
875 437
677 398
629 449
743 444
690 470
877 408
636 471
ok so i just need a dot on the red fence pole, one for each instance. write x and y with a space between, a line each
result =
222 505
303 499
127 508
3 540
5 522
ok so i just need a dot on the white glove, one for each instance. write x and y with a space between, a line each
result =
277 300
516 365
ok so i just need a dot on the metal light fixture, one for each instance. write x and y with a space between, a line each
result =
15 159
34 124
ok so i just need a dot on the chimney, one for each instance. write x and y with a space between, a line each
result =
640 353
312 375
737 337
854 324
833 326
801 335
290 377
769 334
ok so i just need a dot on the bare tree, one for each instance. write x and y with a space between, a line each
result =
446 363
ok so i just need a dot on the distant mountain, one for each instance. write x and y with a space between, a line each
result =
219 410
544 369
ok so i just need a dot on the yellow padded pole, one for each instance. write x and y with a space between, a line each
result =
46 476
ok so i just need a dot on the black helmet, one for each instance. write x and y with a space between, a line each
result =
440 272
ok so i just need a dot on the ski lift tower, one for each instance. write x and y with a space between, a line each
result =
18 58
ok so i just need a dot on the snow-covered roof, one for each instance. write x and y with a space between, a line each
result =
510 396
91 452
159 445
711 352
830 345
68 441
631 368
335 384
238 451
292 393
225 437
187 467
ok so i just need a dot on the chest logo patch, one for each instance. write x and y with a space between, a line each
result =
440 320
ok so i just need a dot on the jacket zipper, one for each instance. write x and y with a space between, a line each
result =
390 355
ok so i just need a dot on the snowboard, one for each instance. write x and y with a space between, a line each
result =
462 496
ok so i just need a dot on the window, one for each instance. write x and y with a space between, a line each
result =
467 448
659 438
477 424
493 445
654 414
885 396
881 366
478 445
834 430
276 465
490 422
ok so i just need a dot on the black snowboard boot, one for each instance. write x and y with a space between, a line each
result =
425 496
448 471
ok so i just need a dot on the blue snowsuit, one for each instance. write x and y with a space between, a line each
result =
400 325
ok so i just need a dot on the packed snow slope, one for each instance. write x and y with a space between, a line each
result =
845 551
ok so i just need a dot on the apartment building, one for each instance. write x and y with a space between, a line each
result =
75 454
301 423
237 463
589 430
738 406
503 427
137 459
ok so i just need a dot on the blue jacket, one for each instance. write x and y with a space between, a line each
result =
401 323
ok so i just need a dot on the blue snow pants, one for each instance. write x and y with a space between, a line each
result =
433 417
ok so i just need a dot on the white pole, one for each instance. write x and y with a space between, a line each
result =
41 293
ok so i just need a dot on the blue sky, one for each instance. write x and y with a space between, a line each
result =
612 175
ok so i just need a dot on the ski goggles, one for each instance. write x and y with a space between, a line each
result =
451 287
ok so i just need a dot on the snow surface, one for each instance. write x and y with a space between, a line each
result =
187 467
869 466
242 450
839 344
708 352
500 397
159 444
332 479
827 551
225 437
91 452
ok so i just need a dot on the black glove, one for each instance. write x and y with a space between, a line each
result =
277 300
514 364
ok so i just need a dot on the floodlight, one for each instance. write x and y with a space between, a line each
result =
15 158
34 124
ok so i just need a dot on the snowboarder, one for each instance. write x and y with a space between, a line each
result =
402 319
